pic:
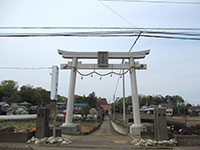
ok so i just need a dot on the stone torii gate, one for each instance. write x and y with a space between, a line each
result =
102 57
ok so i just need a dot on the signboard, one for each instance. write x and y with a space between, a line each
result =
103 59
54 83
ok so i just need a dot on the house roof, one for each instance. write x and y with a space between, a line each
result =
80 104
61 103
4 104
106 106
24 103
148 109
14 104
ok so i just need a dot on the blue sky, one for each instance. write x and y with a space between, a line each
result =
173 65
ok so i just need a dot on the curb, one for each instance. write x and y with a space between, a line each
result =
111 122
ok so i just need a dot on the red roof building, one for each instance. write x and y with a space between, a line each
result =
106 108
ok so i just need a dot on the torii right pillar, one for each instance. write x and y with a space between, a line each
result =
136 127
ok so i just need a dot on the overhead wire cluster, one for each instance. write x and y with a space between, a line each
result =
166 33
25 68
157 1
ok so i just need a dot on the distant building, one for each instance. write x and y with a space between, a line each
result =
100 102
61 105
14 104
106 108
20 110
33 109
4 108
78 106
169 108
194 110
148 110
25 103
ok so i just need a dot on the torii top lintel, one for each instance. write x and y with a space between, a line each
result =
111 55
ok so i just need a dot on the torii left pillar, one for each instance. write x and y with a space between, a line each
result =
136 127
70 102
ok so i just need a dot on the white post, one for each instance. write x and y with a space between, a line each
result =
54 94
135 128
70 102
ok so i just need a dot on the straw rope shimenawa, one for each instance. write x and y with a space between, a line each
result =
87 74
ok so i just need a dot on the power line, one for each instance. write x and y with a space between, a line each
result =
172 37
123 60
25 68
118 14
100 33
173 33
94 28
164 35
135 42
156 1
115 91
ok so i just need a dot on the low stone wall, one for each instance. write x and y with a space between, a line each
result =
18 117
118 128
187 140
15 137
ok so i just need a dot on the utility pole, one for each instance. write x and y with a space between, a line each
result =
114 106
186 114
124 105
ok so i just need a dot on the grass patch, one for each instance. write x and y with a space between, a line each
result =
123 124
17 126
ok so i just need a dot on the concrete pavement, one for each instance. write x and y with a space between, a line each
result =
105 136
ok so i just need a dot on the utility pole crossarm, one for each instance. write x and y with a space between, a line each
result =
111 55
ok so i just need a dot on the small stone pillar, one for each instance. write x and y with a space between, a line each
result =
42 123
160 124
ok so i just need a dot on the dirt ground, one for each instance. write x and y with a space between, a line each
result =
88 126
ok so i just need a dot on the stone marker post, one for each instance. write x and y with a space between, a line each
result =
42 123
160 123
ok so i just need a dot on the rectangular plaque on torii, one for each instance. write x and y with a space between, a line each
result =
103 59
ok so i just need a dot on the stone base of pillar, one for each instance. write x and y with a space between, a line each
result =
136 129
68 125
71 129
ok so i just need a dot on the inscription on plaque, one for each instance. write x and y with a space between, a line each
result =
103 59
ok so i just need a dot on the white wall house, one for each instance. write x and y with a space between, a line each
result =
169 108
